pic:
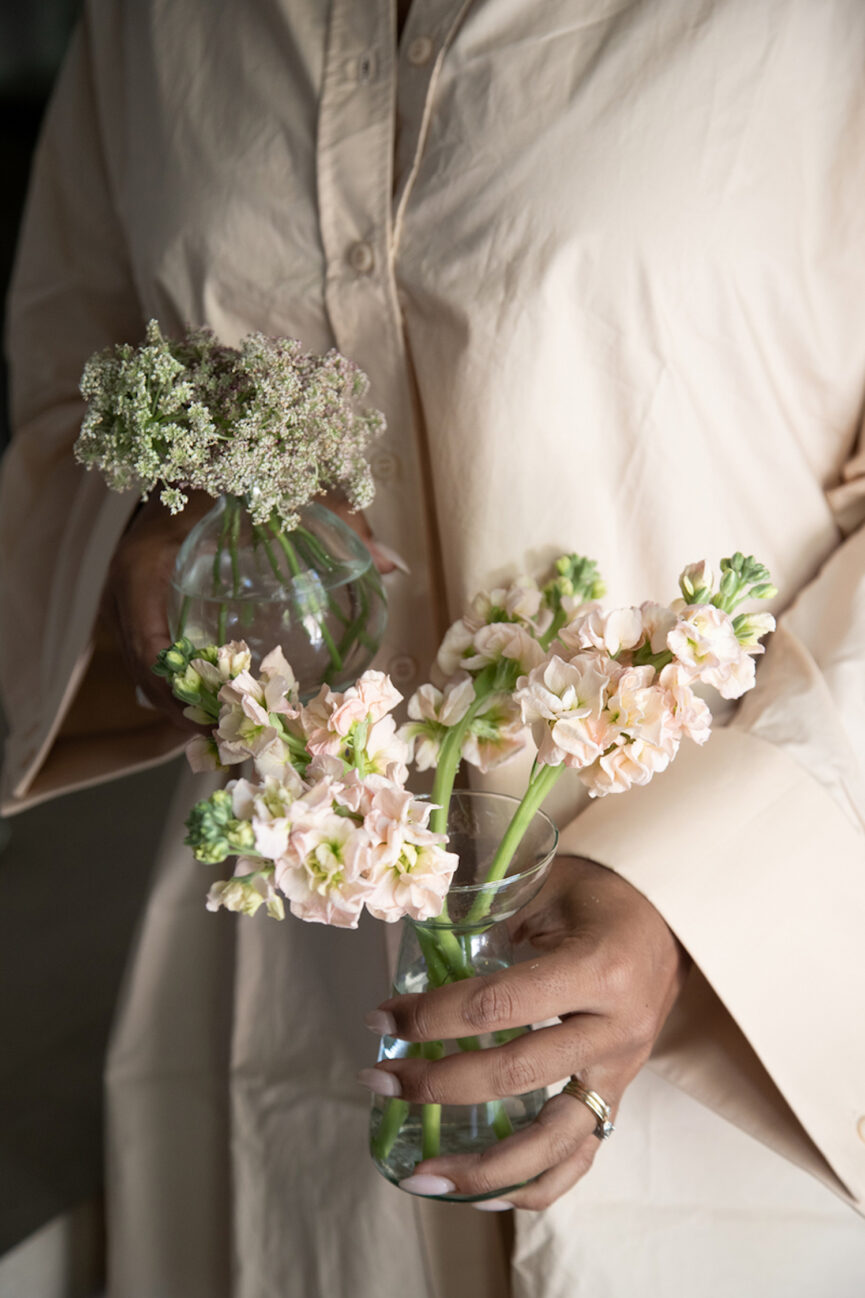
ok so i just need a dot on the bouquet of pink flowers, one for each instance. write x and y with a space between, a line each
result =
327 823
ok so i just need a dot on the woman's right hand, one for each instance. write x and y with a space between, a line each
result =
137 595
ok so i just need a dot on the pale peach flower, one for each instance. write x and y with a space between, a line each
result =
658 622
638 708
202 754
750 627
268 808
245 729
432 712
704 642
386 750
609 631
508 640
370 699
410 868
247 893
322 872
329 720
496 734
521 601
279 685
563 702
696 579
231 659
691 715
626 765
457 645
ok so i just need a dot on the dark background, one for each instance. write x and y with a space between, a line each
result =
73 873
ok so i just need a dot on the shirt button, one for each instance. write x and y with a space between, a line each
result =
402 669
419 51
860 1127
385 467
361 258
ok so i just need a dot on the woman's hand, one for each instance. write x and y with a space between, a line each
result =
139 580
609 968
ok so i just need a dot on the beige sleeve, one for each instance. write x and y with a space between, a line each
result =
753 850
72 292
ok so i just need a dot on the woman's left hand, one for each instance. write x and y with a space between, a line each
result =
608 967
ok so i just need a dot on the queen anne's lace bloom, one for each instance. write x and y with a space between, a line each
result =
266 421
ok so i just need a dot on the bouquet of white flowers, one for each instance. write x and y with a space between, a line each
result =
264 429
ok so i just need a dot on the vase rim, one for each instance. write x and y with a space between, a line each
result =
466 889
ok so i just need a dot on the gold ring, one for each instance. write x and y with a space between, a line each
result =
599 1107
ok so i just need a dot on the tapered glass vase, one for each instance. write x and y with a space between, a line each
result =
314 590
470 939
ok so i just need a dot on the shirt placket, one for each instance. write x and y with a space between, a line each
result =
363 75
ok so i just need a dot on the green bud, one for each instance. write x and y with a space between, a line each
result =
764 591
174 660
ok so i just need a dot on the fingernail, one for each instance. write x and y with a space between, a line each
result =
381 1023
427 1185
380 1082
390 556
493 1205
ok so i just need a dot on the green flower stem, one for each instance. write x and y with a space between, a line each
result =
450 753
262 537
431 1114
394 1115
497 1116
544 780
559 620
184 614
234 533
354 628
291 558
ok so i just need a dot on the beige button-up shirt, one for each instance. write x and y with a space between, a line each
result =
603 262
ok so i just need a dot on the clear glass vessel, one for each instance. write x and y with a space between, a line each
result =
315 591
469 939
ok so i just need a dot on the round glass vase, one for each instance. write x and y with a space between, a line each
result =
314 590
470 938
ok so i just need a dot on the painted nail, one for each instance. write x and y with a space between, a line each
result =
380 1082
381 1023
427 1185
493 1205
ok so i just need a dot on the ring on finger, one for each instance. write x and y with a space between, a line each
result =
598 1106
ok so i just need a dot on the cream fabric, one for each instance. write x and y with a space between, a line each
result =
603 262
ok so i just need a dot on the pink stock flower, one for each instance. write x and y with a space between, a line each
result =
504 640
231 659
323 870
691 715
521 601
624 766
329 719
279 685
563 703
704 642
245 729
202 753
456 646
658 622
247 890
496 734
433 712
410 869
268 808
637 708
610 632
